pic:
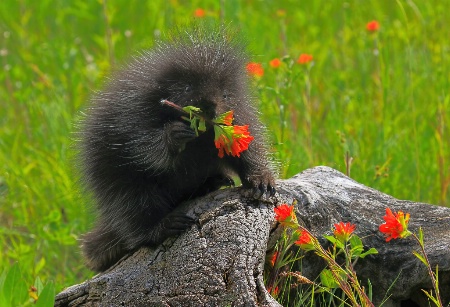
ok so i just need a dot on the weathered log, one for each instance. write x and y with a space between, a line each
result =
219 261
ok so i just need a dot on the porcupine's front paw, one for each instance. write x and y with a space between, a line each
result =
173 224
259 184
178 134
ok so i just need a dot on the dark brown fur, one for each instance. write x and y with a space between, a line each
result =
140 159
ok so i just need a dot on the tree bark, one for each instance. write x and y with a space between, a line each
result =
219 261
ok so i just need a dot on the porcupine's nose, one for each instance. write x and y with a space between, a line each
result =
208 107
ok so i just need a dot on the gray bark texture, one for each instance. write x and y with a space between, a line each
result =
219 261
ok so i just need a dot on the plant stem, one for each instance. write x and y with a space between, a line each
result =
430 272
177 107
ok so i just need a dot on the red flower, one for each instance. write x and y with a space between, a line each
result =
304 58
228 119
275 63
232 140
283 212
274 292
241 139
285 215
343 231
199 13
305 241
225 118
395 226
372 26
221 144
273 258
255 69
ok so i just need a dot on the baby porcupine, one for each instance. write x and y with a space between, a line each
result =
140 160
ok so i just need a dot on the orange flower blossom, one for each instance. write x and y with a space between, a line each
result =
199 13
396 225
285 215
283 212
228 119
305 240
343 231
232 140
273 258
304 58
225 118
275 63
229 139
255 69
372 26
274 292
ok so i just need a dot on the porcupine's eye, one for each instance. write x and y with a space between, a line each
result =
225 94
188 88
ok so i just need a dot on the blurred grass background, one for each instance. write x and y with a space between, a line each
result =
382 97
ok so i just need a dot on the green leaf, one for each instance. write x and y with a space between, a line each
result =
202 125
39 265
197 122
12 279
356 252
436 276
330 238
371 251
356 246
54 216
190 109
38 285
47 296
194 124
431 297
2 279
421 258
369 289
355 242
14 290
327 279
2 294
333 240
421 236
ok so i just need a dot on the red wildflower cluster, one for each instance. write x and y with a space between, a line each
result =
285 215
305 241
396 225
232 140
229 139
304 58
275 63
283 212
343 231
255 69
372 26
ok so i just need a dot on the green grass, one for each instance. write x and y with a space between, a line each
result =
383 97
